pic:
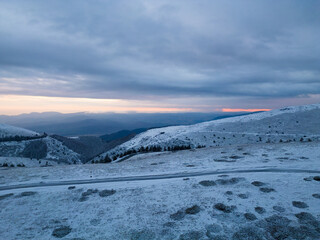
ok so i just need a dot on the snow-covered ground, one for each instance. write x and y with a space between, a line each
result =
25 162
11 131
217 206
18 143
55 151
157 210
285 155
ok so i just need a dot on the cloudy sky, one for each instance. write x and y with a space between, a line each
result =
153 56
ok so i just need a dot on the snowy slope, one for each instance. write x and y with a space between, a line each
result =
55 150
298 123
266 202
32 145
11 131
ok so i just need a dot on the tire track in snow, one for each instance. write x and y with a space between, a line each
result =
153 177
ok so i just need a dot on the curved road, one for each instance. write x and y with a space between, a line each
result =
154 177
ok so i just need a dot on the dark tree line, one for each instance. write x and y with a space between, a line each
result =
142 149
21 138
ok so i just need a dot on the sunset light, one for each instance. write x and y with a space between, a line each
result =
159 119
243 110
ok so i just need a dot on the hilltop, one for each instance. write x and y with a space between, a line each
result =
290 124
22 147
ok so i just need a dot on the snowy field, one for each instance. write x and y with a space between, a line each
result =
259 156
257 204
25 162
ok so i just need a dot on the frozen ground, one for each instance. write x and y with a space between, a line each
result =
251 205
285 155
25 162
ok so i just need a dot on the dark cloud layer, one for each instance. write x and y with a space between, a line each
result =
147 49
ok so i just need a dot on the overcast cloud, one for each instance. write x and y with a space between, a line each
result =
146 49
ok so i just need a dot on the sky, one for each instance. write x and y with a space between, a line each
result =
158 56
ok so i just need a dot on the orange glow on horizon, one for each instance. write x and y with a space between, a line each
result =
18 104
244 110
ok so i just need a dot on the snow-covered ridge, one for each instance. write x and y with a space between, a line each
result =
45 148
11 131
262 115
295 123
21 143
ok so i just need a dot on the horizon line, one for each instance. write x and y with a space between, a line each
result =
222 110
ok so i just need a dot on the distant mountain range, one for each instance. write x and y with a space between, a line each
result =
77 124
121 134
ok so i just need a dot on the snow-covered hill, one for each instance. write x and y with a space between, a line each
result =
298 123
17 144
11 131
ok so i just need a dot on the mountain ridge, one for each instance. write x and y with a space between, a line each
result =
294 123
